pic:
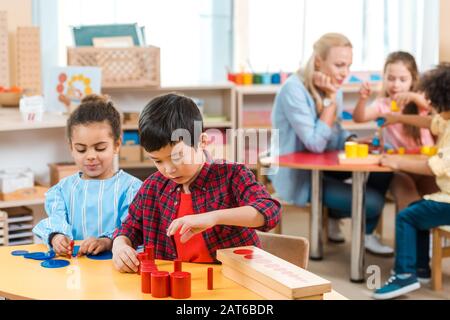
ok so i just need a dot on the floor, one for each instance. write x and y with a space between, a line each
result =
336 263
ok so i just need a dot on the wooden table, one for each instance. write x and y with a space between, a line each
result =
87 279
328 161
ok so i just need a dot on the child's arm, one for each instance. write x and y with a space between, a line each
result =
414 120
361 113
400 163
418 98
190 225
55 226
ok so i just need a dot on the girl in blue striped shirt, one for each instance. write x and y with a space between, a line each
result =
90 204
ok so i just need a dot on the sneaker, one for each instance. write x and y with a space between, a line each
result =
423 275
334 231
373 245
396 287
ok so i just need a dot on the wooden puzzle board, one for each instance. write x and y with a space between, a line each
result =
270 276
29 60
371 159
4 50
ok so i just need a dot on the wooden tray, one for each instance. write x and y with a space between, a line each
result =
37 192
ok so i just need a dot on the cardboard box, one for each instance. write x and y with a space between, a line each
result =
130 154
61 170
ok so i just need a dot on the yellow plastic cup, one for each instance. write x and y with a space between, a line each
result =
363 150
426 150
401 150
248 79
351 149
394 106
433 151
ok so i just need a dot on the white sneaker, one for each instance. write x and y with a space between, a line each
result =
334 231
373 245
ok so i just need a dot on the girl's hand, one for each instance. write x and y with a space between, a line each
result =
404 98
391 161
365 91
390 119
61 244
124 257
323 82
191 225
94 246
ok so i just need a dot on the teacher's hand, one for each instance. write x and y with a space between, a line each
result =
323 82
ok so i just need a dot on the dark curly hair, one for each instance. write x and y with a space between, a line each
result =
436 86
95 108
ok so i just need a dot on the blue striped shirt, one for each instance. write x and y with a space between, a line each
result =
80 208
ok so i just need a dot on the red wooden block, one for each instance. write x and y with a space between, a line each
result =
160 284
210 279
147 268
72 244
142 256
150 250
180 285
177 265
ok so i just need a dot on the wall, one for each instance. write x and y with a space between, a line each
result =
444 42
19 14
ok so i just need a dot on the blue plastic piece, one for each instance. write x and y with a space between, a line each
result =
19 252
375 77
381 121
131 136
346 115
276 78
105 255
354 79
53 264
376 142
40 255
75 251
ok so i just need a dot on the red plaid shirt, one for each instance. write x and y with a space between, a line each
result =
218 186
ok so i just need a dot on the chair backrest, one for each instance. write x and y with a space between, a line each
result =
292 249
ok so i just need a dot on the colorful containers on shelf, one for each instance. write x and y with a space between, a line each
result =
258 78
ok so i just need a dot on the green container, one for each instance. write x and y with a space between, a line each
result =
257 78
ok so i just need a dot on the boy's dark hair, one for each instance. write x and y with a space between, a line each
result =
436 86
95 108
165 114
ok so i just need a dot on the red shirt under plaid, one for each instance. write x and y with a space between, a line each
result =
219 185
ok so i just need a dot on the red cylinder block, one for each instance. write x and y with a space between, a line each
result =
160 284
210 278
180 285
177 265
150 250
142 256
147 268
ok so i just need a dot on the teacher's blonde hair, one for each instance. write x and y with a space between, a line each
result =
321 49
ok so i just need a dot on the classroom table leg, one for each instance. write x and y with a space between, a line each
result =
358 226
315 233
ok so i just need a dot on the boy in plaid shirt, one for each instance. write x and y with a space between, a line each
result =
191 207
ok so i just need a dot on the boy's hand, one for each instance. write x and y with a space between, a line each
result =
124 256
61 245
365 91
391 161
191 225
404 98
94 246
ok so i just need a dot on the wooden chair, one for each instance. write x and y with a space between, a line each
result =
263 163
292 249
440 251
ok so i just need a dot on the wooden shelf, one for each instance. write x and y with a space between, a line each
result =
11 120
174 87
207 124
258 89
19 203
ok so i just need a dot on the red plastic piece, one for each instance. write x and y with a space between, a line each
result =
160 284
147 268
72 244
243 251
177 265
142 256
180 285
210 279
150 250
